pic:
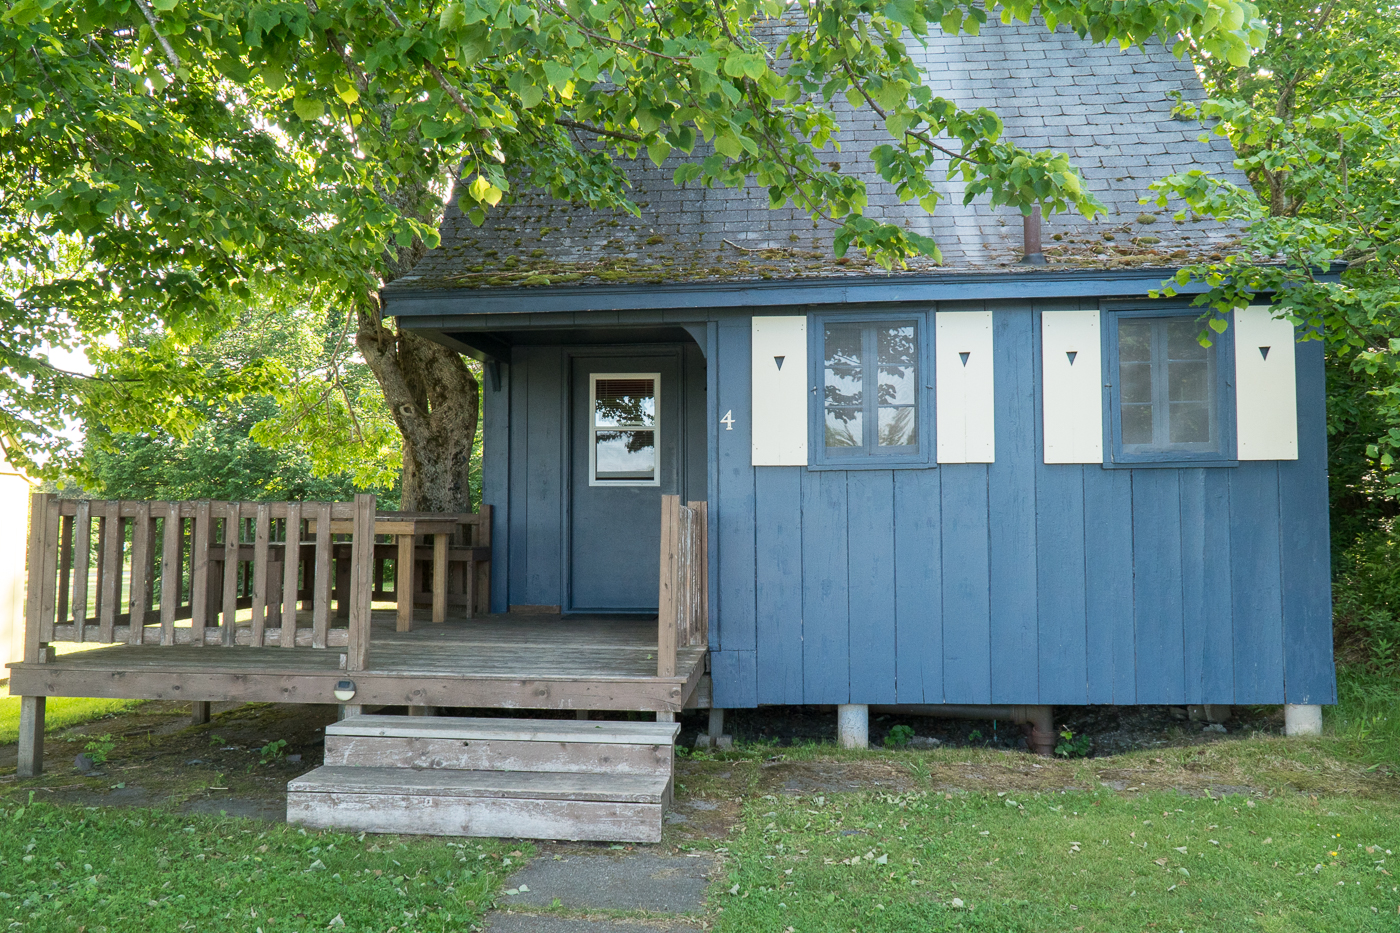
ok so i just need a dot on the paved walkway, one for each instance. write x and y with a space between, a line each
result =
559 890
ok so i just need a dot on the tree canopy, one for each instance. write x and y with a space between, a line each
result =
163 162
1315 119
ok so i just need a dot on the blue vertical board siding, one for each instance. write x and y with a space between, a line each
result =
918 585
495 482
546 421
1208 617
778 533
1309 673
519 451
735 528
734 679
712 472
870 521
967 661
1256 582
1157 614
1060 570
826 645
1011 499
1108 588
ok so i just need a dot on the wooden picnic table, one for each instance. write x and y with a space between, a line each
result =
406 527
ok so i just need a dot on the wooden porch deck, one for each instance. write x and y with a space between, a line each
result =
498 661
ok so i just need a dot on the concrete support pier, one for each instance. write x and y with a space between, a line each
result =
853 725
1302 719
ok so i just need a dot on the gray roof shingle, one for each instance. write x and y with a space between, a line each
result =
1110 110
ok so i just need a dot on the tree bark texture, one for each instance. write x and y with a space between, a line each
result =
435 401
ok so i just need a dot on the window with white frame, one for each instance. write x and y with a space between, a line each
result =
624 411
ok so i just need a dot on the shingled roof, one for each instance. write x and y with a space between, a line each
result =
1110 110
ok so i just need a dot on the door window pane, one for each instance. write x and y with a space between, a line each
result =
1166 386
621 455
871 387
624 428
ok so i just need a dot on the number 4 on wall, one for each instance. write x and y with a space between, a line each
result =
728 420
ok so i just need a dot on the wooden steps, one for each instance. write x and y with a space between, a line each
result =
522 778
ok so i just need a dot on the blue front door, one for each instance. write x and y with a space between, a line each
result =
628 421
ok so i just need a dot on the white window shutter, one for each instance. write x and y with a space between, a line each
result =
1266 391
965 386
780 390
1072 386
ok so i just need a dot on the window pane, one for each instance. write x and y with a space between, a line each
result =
1181 340
844 372
844 427
898 365
1190 423
1188 381
1135 341
1136 379
626 455
1137 424
624 402
899 427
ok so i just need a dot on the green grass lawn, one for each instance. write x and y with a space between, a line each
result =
116 871
1072 861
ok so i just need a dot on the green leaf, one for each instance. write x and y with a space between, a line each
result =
728 145
308 108
686 172
557 74
658 151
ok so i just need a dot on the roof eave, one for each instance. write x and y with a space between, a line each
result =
441 304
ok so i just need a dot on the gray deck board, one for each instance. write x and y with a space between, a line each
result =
526 785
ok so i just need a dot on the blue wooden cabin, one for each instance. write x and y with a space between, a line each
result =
989 481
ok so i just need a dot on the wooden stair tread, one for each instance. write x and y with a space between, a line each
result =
526 785
516 730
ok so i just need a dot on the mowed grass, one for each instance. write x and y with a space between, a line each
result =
1073 861
115 871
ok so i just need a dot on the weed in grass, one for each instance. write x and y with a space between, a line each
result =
1071 745
100 748
899 736
272 752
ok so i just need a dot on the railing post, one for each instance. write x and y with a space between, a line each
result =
41 561
668 597
700 631
361 583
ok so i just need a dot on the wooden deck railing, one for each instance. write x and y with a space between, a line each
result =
219 573
125 572
683 618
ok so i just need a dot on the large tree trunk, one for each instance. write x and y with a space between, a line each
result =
435 400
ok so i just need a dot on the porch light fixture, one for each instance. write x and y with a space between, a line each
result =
345 691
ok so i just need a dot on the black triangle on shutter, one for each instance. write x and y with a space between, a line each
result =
779 361
1071 354
964 354
1264 352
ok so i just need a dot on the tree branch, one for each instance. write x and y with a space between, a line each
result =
597 130
332 39
433 70
170 55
